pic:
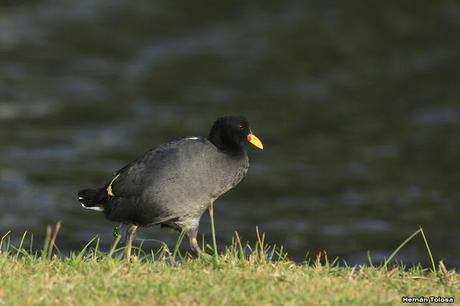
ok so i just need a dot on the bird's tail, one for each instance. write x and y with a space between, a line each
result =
87 198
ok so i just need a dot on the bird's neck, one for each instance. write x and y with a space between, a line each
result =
225 143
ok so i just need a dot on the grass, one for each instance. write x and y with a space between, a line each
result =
243 274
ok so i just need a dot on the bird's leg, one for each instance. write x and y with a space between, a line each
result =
191 234
124 238
131 233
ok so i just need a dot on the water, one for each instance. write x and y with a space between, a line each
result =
358 107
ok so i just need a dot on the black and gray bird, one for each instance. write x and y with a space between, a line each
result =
175 183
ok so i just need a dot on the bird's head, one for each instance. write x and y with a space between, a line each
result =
230 132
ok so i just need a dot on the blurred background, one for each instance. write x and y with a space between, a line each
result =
357 103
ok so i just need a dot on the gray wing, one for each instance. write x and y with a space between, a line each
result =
123 195
131 180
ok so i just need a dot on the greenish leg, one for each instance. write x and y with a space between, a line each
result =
194 244
129 242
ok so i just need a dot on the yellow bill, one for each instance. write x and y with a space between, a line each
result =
255 141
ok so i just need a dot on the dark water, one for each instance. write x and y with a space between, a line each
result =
358 105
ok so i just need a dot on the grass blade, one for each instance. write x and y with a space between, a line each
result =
46 244
428 249
240 247
83 251
178 244
213 231
1 242
399 248
52 244
113 248
21 244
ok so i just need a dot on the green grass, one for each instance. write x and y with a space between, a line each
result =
243 274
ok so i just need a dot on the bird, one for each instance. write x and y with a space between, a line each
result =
174 184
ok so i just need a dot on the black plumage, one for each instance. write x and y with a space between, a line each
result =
175 183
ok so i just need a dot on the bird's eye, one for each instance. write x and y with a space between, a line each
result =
241 127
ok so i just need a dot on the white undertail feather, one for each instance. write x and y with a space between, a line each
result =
96 208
